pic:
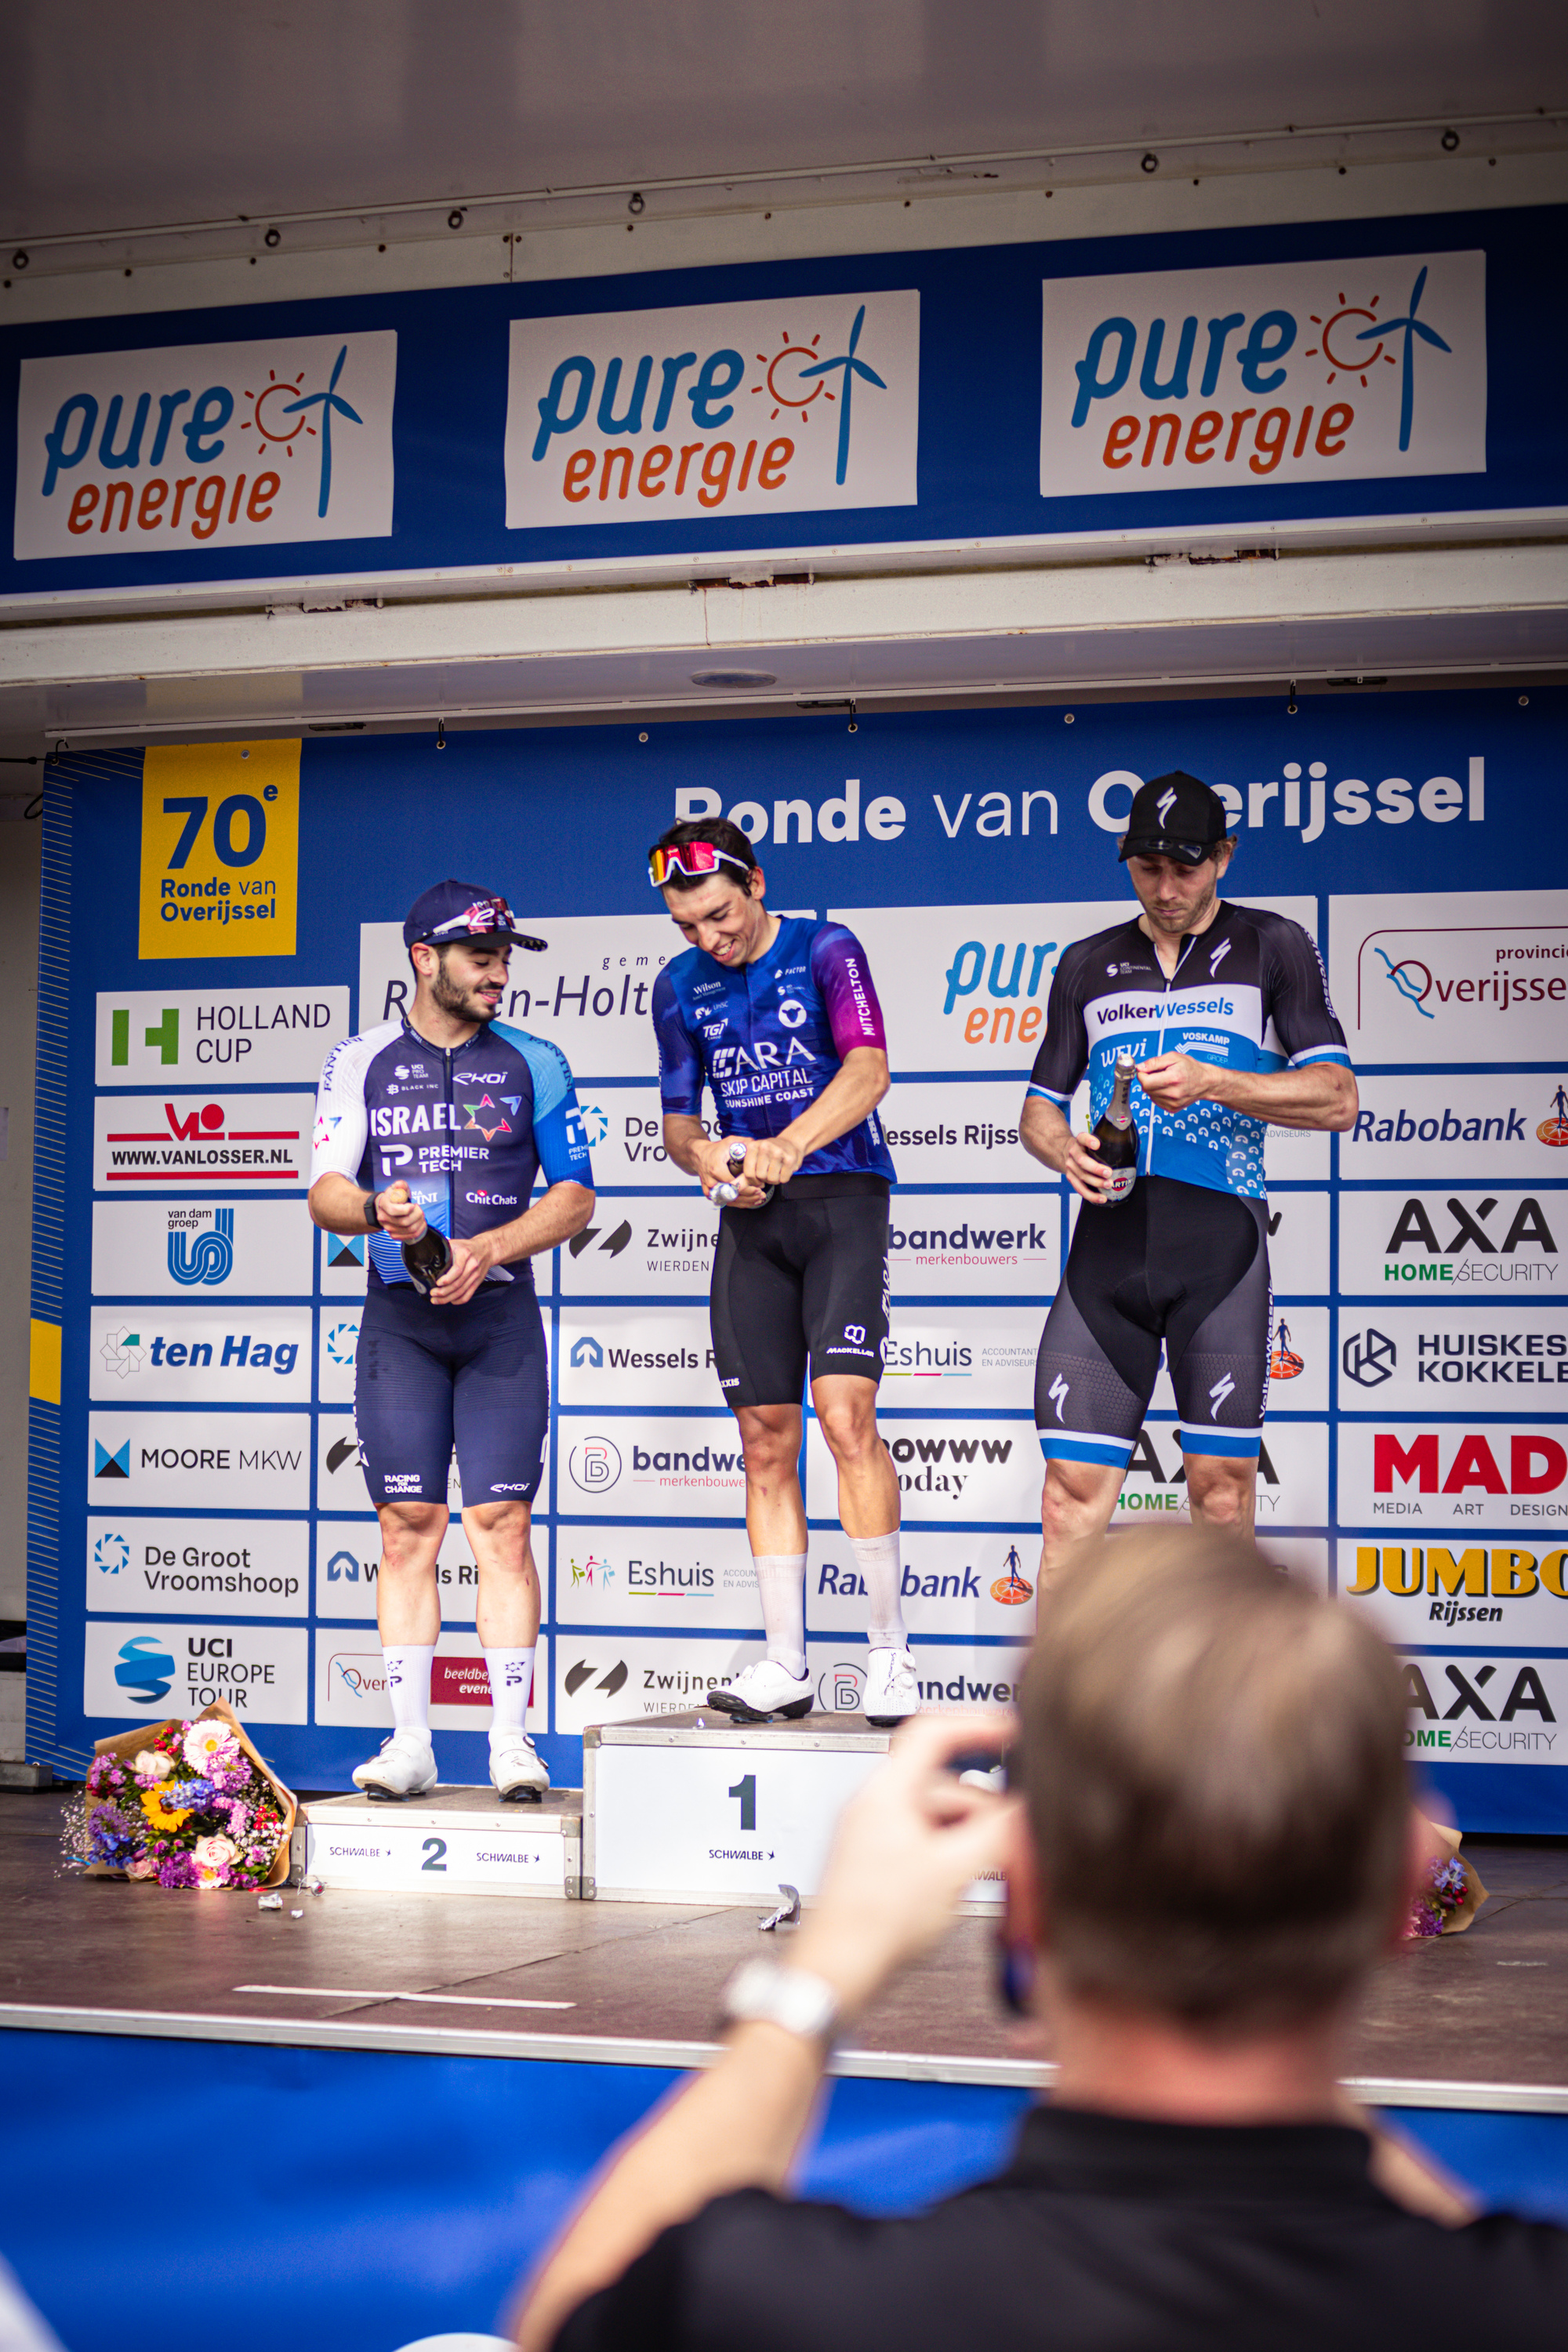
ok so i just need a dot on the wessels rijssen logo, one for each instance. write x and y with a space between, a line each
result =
641 415
207 445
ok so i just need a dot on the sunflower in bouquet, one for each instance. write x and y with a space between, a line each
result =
191 1809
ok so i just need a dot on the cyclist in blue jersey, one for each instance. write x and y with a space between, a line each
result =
778 1016
447 1117
1225 1011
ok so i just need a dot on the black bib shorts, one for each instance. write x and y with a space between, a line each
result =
430 1378
804 1279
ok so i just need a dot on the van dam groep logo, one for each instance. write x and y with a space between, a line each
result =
218 443
205 1256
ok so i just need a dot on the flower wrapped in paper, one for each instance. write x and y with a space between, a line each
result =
1449 1893
189 1803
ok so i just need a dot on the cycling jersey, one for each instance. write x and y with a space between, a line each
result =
769 1036
467 1130
1248 993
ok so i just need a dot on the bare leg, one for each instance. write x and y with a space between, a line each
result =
846 1405
776 1509
1221 1490
1077 1502
407 1608
508 1608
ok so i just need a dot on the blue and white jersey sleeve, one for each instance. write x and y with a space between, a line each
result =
680 1064
560 1138
343 1114
1302 1026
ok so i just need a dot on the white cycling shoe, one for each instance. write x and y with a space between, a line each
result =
519 1774
892 1690
405 1768
762 1689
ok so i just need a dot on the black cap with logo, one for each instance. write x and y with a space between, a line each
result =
1174 816
450 911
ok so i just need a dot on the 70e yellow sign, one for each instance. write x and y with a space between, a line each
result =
220 850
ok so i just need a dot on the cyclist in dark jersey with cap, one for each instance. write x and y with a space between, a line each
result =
778 1015
447 1117
1225 1011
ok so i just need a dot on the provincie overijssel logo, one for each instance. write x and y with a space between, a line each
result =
207 445
1306 372
641 416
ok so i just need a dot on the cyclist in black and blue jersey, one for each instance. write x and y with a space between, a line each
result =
447 1117
778 1016
1224 1010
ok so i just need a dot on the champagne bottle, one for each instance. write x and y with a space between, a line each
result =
723 1195
427 1259
1117 1137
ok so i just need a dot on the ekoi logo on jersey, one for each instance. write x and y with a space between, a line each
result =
488 1116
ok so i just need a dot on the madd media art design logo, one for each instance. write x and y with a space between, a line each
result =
207 445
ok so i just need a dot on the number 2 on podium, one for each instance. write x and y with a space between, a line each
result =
746 1790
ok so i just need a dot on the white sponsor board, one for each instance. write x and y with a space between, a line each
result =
1299 1244
207 445
336 1354
668 1580
350 1682
244 1145
243 1036
649 1465
625 1128
638 1355
150 1566
340 1471
973 1359
1485 1124
341 1265
965 988
142 1671
642 1249
1438 1582
348 1569
999 1245
590 991
1282 372
1304 1559
1471 1710
1475 1245
199 1461
954 1132
1292 1486
950 1470
237 1249
1451 976
622 1678
1502 1475
1481 1358
222 1355
720 408
959 1584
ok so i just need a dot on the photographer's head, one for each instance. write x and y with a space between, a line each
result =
713 887
1216 1792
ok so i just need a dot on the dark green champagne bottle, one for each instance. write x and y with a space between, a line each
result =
427 1259
1117 1137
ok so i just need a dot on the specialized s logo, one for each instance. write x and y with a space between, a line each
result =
1166 802
1219 956
1058 1394
1218 1393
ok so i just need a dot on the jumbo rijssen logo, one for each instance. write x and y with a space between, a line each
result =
1297 371
207 445
743 408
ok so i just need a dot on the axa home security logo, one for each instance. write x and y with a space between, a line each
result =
638 415
207 445
144 1671
111 1553
206 1256
1295 371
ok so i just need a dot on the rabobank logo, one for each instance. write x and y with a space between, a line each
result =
594 1464
731 407
1300 372
206 1256
144 1671
207 445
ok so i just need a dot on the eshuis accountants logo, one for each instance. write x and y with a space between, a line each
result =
640 416
205 445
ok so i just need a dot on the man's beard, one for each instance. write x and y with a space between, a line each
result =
463 1004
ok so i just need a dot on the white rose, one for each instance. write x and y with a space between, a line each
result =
149 1766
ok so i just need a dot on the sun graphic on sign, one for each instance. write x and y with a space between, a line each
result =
1337 332
783 376
268 421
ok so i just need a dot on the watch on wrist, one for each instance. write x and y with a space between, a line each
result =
765 1992
373 1221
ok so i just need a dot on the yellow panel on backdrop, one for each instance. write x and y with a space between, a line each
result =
220 850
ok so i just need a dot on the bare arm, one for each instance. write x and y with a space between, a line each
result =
1320 1094
1044 1133
338 1205
858 1088
907 1847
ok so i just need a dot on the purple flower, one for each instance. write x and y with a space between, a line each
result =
104 1773
178 1871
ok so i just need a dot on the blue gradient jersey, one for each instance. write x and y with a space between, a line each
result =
1249 994
769 1037
467 1131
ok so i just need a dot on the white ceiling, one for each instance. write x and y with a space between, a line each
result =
115 116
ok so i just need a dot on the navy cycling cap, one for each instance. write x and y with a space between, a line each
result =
461 910
1174 816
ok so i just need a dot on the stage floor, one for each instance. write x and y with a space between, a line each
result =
1476 2020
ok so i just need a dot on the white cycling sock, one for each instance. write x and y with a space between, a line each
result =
781 1586
408 1684
881 1573
512 1679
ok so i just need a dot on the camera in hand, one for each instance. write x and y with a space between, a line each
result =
427 1259
1117 1137
723 1195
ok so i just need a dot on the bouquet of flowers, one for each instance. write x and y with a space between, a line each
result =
186 1803
1448 1893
